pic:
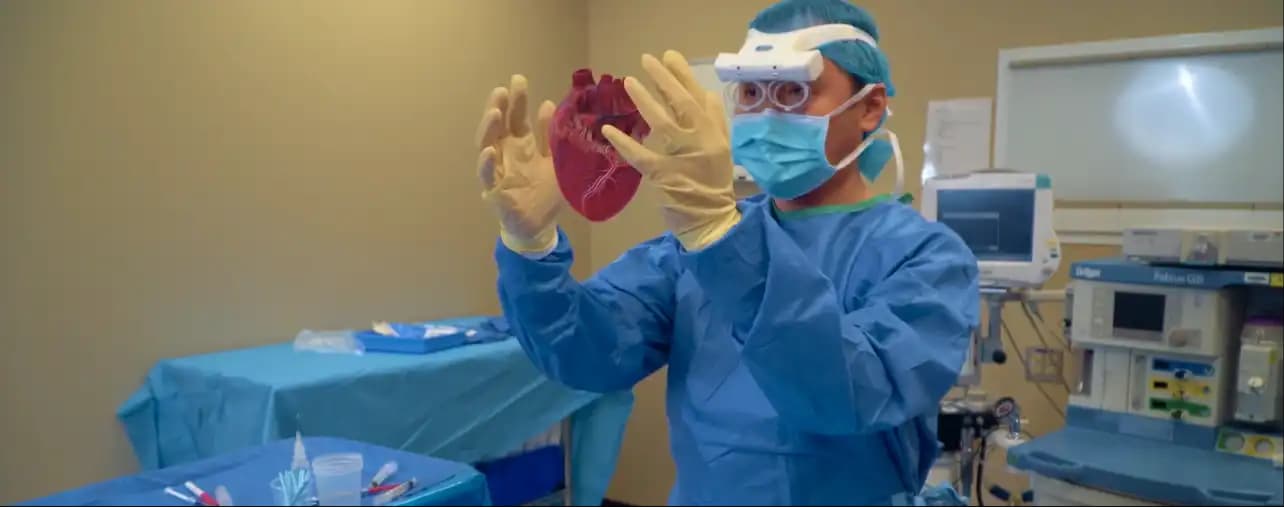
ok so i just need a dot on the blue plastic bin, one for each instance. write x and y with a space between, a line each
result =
525 477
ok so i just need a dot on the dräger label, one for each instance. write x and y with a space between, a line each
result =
1087 273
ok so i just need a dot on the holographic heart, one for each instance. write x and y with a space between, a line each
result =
594 179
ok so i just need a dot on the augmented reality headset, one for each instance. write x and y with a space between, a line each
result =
789 56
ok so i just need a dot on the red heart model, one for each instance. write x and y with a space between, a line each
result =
594 179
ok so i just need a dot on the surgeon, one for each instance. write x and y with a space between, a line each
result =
809 333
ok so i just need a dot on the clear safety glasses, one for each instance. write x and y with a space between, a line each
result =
755 95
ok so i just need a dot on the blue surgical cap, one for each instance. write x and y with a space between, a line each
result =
865 63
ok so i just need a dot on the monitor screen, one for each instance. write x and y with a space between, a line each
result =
997 224
1135 311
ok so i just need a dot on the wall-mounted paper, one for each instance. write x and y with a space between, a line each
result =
957 140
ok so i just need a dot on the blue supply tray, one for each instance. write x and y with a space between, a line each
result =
1150 470
485 330
375 342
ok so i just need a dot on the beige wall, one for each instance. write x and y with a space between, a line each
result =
938 49
178 178
184 177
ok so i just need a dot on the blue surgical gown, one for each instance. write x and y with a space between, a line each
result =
806 351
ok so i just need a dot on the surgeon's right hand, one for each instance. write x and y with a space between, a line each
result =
516 170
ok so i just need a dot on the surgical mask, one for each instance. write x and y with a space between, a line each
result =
785 152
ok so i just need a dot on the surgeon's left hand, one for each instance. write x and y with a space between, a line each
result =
687 157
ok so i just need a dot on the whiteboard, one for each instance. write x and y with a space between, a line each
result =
1198 126
705 74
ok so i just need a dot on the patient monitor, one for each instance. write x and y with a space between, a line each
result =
1005 217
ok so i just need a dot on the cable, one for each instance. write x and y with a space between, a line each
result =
1029 316
1060 336
980 469
1011 339
1037 331
1007 333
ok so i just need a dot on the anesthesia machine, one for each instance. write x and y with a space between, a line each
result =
1178 400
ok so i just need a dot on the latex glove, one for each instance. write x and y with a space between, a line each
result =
687 157
516 170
